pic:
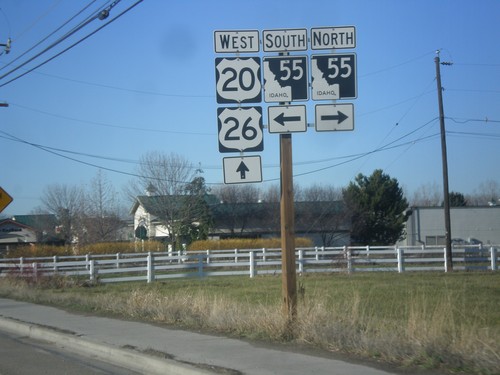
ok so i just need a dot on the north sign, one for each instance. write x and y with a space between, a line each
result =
237 41
333 76
238 80
284 40
285 78
240 129
334 117
333 37
287 119
242 169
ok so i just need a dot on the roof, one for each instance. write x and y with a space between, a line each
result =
41 221
155 203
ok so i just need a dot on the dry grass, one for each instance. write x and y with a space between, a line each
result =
436 321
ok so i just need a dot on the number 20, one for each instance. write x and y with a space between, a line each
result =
238 77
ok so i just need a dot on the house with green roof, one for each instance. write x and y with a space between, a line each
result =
326 223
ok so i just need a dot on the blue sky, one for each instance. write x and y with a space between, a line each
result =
146 82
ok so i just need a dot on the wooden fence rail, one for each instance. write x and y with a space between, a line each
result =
251 262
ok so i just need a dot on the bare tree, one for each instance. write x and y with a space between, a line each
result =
168 176
428 195
102 213
321 193
237 193
488 193
272 194
320 210
66 202
239 207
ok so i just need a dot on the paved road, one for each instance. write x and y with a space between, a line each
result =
20 355
150 349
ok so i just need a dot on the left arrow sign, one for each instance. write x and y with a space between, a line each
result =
287 118
281 118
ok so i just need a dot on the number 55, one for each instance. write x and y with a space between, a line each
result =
296 68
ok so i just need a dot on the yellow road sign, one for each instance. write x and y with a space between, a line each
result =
5 199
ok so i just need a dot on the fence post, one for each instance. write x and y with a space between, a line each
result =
322 252
348 254
235 255
118 256
200 265
301 261
445 261
367 251
493 251
55 263
208 256
87 261
316 255
91 268
252 264
150 268
401 261
34 265
264 258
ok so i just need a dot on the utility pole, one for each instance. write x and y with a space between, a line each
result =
288 267
447 221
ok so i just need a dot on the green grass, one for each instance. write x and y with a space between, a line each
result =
432 320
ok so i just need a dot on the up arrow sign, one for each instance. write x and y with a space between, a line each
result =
242 169
287 118
334 117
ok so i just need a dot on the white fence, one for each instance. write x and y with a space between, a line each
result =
251 262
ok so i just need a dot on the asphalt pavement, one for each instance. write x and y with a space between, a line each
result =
149 349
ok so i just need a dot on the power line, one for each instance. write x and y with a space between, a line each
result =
110 125
47 37
464 121
145 92
73 45
60 152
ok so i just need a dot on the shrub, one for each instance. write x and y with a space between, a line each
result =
246 243
40 250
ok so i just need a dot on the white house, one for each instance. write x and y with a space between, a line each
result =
146 223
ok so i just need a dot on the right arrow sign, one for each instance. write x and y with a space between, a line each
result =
334 117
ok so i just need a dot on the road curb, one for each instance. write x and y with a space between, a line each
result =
129 359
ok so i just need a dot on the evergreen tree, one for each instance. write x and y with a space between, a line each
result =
378 209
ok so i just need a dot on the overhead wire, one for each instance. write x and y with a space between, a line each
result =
74 44
60 153
51 151
38 19
103 124
48 36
